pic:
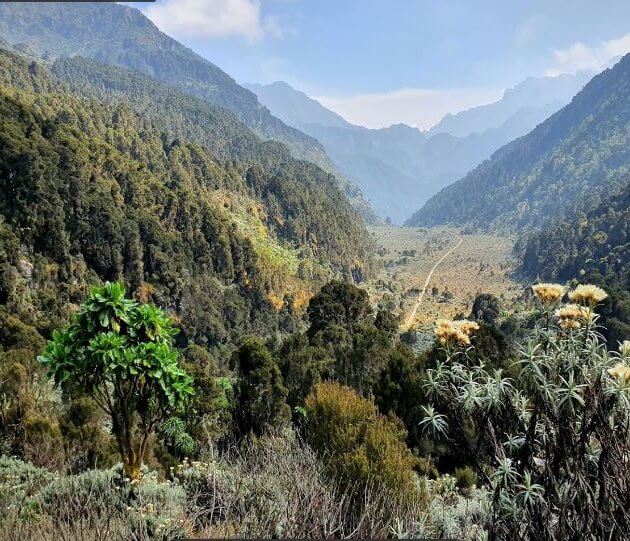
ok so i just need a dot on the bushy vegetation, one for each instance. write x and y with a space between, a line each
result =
260 394
362 447
210 237
464 440
593 245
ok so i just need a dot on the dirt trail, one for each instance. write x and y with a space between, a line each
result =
409 321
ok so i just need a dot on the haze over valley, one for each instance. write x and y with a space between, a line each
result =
314 270
398 168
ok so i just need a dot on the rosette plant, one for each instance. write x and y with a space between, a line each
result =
121 353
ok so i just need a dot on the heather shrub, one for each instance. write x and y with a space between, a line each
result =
19 481
260 394
96 504
359 445
277 486
465 477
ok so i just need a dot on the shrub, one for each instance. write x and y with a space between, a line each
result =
485 308
362 447
19 480
465 477
338 303
260 394
96 504
556 437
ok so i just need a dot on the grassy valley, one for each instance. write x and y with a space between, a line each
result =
482 263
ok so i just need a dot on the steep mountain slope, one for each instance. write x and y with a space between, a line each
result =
295 107
397 167
122 36
574 158
92 190
532 94
593 241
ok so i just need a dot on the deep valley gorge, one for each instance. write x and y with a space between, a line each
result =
383 291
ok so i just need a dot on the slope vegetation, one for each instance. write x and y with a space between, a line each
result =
93 190
122 36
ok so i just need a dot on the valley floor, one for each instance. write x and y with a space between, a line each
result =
450 267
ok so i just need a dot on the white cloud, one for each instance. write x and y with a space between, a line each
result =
579 57
414 106
213 19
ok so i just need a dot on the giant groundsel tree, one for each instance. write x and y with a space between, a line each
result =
121 354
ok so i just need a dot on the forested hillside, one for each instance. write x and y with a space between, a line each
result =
593 241
94 191
122 36
593 245
575 158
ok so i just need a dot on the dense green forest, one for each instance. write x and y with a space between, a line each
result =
593 241
574 158
123 36
94 191
593 245
118 35
181 115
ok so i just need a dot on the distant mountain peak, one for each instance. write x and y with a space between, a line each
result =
294 106
531 93
574 158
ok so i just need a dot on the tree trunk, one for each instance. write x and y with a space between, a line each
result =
132 467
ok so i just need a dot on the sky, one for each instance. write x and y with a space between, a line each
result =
382 62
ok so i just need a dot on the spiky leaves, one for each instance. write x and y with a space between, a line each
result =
557 435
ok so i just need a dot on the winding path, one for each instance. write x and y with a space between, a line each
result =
409 321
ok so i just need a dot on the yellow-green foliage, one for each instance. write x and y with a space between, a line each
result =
362 446
284 269
248 217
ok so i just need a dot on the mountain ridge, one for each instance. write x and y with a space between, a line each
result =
399 167
579 152
533 92
120 35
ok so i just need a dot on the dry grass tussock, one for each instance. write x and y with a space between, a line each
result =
274 487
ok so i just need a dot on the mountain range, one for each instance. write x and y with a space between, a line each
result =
398 168
569 162
530 95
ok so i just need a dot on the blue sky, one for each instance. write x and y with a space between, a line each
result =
379 62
